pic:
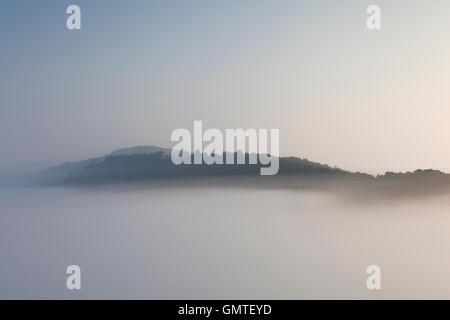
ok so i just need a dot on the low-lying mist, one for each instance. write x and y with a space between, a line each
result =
211 239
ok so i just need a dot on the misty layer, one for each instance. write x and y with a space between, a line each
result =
151 166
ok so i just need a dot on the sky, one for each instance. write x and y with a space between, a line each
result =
340 94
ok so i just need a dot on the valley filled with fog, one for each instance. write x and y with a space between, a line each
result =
217 242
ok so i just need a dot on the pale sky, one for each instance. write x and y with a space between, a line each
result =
340 94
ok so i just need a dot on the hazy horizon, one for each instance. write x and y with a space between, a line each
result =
314 81
339 93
